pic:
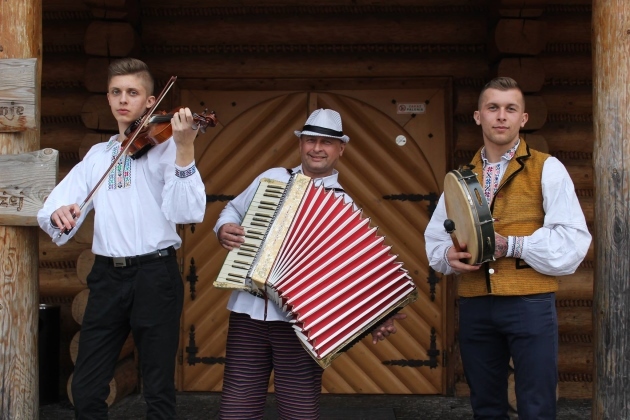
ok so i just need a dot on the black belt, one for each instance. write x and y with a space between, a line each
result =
138 259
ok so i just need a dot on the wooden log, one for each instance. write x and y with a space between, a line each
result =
84 265
576 286
59 282
559 100
568 28
126 351
50 253
575 319
78 305
128 10
124 382
536 142
519 36
63 102
62 70
568 100
575 357
581 175
537 110
85 234
572 138
611 157
111 39
97 115
573 390
64 32
567 67
311 65
318 29
26 179
64 137
65 166
91 139
527 71
95 79
520 8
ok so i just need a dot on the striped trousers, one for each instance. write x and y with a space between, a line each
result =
254 349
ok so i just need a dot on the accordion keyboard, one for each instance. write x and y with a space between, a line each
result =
258 217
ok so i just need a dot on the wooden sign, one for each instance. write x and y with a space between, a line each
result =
26 180
18 107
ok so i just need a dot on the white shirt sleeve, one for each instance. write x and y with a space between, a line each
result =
184 194
560 245
437 241
73 189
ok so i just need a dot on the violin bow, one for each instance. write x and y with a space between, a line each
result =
143 123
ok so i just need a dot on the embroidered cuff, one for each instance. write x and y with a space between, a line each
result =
185 173
515 246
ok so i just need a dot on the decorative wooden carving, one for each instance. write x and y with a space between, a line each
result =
18 95
25 182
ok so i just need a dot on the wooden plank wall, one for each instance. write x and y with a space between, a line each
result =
286 44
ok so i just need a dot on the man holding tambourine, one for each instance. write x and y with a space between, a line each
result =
516 211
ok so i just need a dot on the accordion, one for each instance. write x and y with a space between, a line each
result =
313 254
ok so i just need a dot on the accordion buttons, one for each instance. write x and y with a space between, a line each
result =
491 271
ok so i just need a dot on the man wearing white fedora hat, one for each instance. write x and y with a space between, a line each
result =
260 336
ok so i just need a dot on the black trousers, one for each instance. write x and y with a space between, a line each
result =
146 299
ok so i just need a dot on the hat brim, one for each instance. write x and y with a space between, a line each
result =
343 138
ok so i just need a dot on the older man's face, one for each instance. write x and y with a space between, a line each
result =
319 155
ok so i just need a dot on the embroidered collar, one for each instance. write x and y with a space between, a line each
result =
112 141
506 156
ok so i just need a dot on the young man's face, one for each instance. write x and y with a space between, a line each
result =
319 155
128 98
501 115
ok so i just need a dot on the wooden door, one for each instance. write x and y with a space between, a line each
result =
393 163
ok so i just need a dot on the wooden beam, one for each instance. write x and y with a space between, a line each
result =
611 158
20 37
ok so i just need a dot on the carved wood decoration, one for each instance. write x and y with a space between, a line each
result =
19 109
255 134
25 182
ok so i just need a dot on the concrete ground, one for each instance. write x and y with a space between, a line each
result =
193 406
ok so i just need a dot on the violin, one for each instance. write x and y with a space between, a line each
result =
158 129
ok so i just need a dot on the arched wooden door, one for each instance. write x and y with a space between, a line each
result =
382 175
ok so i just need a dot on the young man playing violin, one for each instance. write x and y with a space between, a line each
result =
135 284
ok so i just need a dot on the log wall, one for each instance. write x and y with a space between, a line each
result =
286 44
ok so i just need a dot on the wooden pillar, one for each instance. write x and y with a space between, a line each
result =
20 38
611 160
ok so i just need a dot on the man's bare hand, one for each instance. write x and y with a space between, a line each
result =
454 259
386 328
231 236
65 217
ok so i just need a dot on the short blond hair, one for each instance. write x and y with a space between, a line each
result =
125 66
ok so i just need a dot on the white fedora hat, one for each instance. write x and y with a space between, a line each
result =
325 123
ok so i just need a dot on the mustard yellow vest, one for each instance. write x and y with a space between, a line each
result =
517 209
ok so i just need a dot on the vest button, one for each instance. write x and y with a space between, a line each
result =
491 271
